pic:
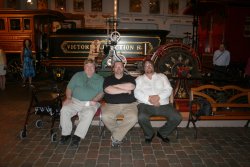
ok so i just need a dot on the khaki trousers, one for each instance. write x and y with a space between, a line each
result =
85 114
119 129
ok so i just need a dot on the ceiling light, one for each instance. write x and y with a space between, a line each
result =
29 2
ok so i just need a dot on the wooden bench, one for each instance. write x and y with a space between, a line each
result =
227 103
152 118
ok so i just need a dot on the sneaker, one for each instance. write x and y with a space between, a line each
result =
115 143
65 139
75 141
31 85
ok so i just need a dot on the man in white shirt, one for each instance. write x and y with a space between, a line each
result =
221 60
152 92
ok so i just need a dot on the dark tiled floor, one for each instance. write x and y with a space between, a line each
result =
225 147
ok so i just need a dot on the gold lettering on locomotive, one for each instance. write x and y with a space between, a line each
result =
75 46
138 47
126 47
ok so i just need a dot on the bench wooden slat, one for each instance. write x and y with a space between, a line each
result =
120 117
152 118
232 113
224 117
234 105
237 110
158 118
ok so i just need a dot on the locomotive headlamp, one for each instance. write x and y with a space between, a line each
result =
58 73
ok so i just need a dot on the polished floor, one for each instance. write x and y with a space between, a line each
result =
221 146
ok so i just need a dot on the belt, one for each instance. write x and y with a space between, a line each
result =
219 66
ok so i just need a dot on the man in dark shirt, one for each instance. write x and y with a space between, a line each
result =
120 100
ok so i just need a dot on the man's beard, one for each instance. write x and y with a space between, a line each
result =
149 71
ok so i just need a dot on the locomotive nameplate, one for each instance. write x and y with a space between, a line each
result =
77 46
70 47
138 48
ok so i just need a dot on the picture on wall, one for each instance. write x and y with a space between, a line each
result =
173 6
60 5
42 4
78 5
154 6
96 5
135 5
12 4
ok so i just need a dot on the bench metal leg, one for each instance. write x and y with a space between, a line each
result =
101 127
247 124
195 129
102 131
177 133
191 119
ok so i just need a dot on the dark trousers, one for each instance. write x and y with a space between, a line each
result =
146 111
220 73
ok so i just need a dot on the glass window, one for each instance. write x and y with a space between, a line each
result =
2 24
135 5
78 5
26 24
15 24
96 5
154 6
12 4
173 6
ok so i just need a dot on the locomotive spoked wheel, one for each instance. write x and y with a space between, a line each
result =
172 64
39 123
23 134
176 59
53 137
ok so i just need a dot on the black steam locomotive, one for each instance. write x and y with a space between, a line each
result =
68 48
